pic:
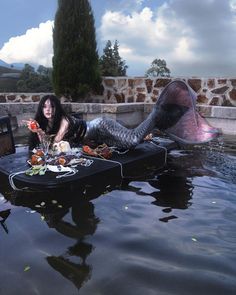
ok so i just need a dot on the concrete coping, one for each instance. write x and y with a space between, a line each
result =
207 111
217 112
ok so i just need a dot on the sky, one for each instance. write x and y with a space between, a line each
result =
195 38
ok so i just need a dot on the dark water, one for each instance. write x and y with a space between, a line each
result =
165 233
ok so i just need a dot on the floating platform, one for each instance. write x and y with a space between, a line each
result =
107 172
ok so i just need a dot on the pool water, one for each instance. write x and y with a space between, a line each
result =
172 232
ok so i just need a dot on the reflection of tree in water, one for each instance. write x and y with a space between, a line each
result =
174 186
173 191
74 218
5 207
75 272
3 217
85 223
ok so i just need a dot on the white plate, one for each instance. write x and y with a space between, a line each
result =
59 168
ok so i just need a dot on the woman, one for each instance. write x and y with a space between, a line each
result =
173 113
51 119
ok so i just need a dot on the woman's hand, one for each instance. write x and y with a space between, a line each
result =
32 125
148 137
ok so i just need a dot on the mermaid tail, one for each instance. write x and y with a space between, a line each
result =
192 129
188 127
106 130
174 113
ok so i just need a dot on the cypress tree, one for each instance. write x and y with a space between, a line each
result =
111 64
75 60
120 64
107 63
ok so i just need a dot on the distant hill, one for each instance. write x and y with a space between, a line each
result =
10 75
3 63
4 70
8 78
16 66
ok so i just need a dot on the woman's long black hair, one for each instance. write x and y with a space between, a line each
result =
59 113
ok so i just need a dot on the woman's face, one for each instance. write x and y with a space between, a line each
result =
48 110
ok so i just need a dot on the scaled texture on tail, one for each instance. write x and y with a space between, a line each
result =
174 113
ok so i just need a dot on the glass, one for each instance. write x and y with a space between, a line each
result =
45 143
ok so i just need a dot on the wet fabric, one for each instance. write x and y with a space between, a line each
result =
76 131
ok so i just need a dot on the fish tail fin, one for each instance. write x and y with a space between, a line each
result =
179 117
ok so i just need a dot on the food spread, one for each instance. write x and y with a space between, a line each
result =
40 162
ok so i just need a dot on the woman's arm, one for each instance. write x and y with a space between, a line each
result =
62 130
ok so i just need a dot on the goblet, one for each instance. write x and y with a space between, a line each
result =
46 142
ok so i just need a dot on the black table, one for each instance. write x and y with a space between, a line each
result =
101 171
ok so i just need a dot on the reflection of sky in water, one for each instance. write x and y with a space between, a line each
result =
159 235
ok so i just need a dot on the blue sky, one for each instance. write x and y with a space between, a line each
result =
196 38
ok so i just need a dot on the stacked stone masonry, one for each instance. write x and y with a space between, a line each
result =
130 100
210 91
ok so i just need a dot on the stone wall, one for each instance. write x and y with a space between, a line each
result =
210 91
130 100
20 97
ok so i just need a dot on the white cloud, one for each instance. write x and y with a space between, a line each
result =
147 35
33 47
182 49
233 5
139 2
196 38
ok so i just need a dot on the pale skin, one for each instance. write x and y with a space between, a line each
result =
48 112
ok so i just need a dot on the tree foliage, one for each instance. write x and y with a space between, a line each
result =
111 64
158 69
35 81
75 60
